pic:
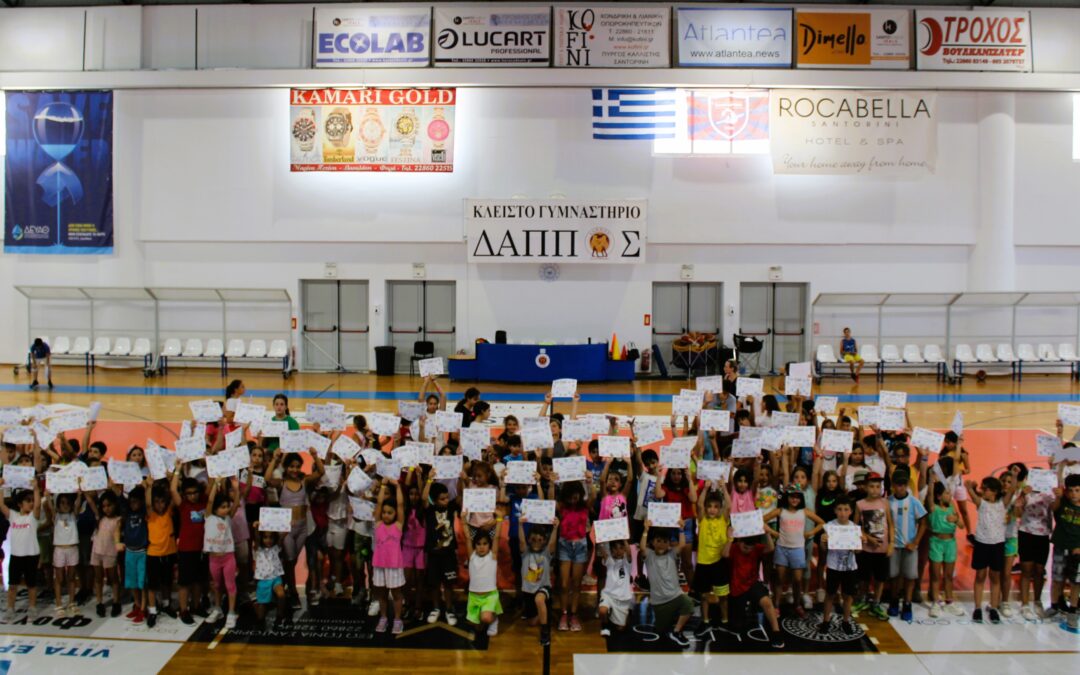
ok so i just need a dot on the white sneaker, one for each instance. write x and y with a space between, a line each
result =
214 616
935 611
339 590
493 629
820 595
451 618
373 608
1028 612
954 608
789 599
807 603
433 616
604 632
1006 609
230 621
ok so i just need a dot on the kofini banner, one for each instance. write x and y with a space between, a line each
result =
889 133
372 129
58 173
555 230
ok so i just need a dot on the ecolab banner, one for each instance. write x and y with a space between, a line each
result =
877 38
734 38
493 36
555 230
958 40
888 133
613 37
368 38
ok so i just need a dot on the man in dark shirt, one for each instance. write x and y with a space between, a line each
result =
41 357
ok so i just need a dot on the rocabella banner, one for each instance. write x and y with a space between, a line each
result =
369 38
492 36
889 133
58 172
555 230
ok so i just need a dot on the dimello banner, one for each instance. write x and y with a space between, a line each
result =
853 132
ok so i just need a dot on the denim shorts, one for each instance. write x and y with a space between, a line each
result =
574 550
791 558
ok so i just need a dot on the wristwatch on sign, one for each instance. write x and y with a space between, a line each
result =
405 126
303 129
338 126
438 130
372 131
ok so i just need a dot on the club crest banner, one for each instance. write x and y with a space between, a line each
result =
58 173
889 133
372 130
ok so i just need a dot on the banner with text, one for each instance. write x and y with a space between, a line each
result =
734 38
555 230
876 38
58 194
888 133
492 36
613 37
351 37
372 130
973 40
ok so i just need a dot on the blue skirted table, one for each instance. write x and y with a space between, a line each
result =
541 363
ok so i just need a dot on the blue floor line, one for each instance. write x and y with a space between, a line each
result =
534 397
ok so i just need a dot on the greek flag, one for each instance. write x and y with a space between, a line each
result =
633 114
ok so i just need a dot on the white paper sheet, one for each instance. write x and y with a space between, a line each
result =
424 451
772 438
800 437
479 500
747 524
384 424
800 370
564 388
1047 445
294 441
715 420
218 466
331 477
599 423
62 482
205 411
10 416
569 468
745 448
358 482
709 383
77 419
538 511
834 440
612 529
664 514
346 448
614 446
927 439
448 421
844 537
406 457
784 419
648 432
19 435
1042 480
1069 414
362 509
273 428
45 435
432 366
95 478
124 473
713 470
320 443
18 477
686 405
473 441
155 462
190 449
247 413
1067 455
275 520
797 386
371 456
674 458
891 419
576 430
388 467
520 473
957 426
749 386
411 410
826 404
447 466
537 438
869 415
94 410
892 399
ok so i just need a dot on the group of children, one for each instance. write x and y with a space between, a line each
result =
403 558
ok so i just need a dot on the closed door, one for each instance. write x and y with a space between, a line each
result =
775 313
421 311
679 308
335 327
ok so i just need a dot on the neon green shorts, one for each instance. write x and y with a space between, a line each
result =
482 602
942 550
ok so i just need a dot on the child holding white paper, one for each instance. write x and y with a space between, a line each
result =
434 400
412 544
150 534
575 502
842 576
1033 510
281 414
671 606
537 548
712 577
65 558
24 520
441 550
294 488
269 584
219 546
617 598
942 522
104 550
388 561
748 594
675 487
790 553
989 553
484 607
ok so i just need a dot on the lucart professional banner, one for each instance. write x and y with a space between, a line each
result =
612 37
492 36
366 38
982 40
746 38
58 173
877 38
555 230
372 129
853 132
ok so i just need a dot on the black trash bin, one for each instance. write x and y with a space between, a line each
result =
384 360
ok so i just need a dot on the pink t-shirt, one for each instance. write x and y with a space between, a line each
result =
415 534
388 547
574 523
741 502
613 506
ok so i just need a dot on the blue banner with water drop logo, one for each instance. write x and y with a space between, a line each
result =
58 173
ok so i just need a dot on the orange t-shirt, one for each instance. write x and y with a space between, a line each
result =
162 536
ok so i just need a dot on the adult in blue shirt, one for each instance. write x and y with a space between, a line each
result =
41 357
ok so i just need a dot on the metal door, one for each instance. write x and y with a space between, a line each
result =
669 320
353 328
440 315
703 308
775 314
318 332
405 319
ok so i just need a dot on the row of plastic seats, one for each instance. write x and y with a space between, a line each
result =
985 353
215 349
889 354
103 346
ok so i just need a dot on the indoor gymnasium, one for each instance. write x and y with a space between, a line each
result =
539 337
